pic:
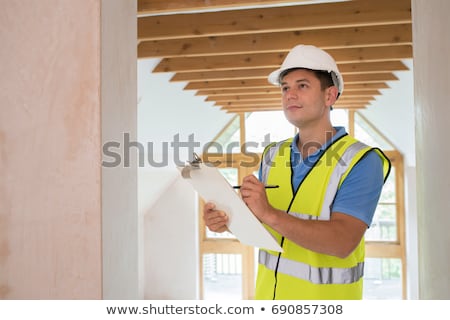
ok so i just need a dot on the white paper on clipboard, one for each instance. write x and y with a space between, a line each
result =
213 187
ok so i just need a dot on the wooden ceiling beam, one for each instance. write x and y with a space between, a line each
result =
367 36
274 90
277 102
274 19
372 67
365 86
185 6
249 97
346 69
277 97
241 91
368 78
279 108
360 93
274 60
278 105
244 61
252 83
212 75
249 83
252 109
267 86
248 103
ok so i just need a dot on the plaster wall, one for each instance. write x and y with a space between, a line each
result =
50 186
431 83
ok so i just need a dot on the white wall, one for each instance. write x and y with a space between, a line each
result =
54 57
121 233
166 204
171 241
398 103
166 110
411 233
431 84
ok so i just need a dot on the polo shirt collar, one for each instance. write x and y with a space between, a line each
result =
340 131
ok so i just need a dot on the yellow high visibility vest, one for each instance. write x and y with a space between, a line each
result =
299 273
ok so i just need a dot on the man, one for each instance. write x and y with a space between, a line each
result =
329 187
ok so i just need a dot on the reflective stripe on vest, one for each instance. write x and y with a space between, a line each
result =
267 159
341 167
306 272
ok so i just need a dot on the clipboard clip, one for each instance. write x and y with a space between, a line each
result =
196 161
191 165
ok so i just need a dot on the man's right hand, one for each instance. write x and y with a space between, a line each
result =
215 220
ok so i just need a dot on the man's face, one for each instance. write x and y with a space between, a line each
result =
304 102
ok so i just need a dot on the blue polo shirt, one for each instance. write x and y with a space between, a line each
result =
359 193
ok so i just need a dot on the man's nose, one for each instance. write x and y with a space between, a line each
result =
291 94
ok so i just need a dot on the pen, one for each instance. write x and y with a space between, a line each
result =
267 187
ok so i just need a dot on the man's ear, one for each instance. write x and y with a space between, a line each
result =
331 95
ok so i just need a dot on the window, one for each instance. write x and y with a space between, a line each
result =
262 128
228 140
222 276
384 224
382 278
385 275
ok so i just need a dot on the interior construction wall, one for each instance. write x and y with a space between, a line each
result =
170 237
50 185
431 94
121 228
67 229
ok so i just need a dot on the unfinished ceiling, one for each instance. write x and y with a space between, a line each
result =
224 50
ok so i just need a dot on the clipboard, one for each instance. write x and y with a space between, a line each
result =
213 187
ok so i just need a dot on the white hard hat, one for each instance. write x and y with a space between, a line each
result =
309 57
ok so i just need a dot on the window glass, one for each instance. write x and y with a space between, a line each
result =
262 128
384 223
382 279
228 141
388 192
339 118
222 276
